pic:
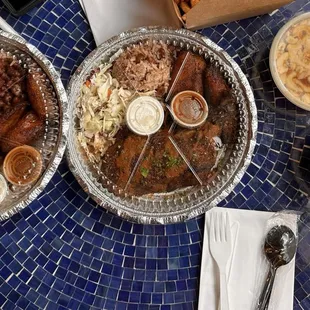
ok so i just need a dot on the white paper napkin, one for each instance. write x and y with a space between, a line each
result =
247 268
82 5
108 18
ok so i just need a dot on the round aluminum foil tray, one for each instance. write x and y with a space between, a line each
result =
182 204
53 144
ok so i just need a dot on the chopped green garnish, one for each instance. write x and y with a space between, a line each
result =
144 172
173 161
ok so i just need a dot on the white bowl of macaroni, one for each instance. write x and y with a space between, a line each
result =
290 61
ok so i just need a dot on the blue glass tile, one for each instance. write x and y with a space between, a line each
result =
60 31
162 265
123 296
150 275
146 298
140 275
137 286
129 262
157 298
98 228
247 192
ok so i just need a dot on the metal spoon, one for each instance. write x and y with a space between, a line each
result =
280 248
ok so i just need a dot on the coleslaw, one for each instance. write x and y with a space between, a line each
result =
102 108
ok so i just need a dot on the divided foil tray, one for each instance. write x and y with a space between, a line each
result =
53 143
184 203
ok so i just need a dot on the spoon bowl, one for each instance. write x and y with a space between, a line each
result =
280 248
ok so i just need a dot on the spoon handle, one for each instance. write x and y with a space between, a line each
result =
264 298
269 293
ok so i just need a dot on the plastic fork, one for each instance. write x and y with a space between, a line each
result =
220 248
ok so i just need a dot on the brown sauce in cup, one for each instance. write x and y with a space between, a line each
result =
189 109
23 165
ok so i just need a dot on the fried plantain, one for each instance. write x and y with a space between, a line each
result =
9 119
29 129
35 96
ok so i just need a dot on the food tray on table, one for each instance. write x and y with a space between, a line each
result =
33 123
178 170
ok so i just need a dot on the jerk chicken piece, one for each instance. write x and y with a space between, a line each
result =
199 147
35 95
120 158
9 119
226 115
216 88
223 109
191 76
162 169
27 130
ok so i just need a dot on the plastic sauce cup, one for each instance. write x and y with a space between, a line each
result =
145 115
3 188
23 165
189 109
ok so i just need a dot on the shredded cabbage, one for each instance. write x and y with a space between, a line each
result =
102 108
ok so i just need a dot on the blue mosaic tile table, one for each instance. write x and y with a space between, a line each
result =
64 252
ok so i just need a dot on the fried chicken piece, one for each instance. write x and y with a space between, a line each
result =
191 76
27 130
35 95
216 88
9 119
